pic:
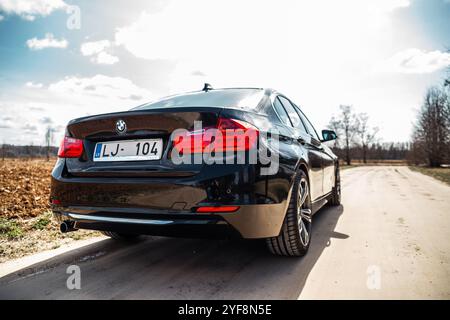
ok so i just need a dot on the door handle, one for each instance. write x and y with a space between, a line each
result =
316 143
301 140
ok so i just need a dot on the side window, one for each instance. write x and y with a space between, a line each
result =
281 112
293 115
308 125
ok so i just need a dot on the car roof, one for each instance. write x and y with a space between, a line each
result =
266 93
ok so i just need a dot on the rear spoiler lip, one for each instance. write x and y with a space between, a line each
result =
134 112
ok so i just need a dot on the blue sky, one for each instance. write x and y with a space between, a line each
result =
379 56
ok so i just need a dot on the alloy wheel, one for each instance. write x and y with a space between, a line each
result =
304 212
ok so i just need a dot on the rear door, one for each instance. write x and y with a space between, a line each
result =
306 140
327 160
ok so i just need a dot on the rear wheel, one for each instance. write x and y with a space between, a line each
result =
120 236
295 235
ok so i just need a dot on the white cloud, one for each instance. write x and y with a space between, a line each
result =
105 58
54 105
94 47
6 122
219 29
380 10
28 17
282 44
33 85
29 9
29 128
389 5
100 86
415 61
46 120
97 49
48 42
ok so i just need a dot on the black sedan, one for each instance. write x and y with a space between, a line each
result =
242 162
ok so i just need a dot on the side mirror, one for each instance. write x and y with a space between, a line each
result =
328 135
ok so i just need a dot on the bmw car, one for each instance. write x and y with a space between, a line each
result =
120 173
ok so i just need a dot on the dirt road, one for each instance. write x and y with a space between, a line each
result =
390 239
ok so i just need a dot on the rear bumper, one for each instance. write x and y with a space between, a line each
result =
166 206
249 222
214 185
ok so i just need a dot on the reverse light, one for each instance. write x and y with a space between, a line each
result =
221 209
234 135
70 148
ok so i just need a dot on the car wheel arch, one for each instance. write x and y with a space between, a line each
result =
302 165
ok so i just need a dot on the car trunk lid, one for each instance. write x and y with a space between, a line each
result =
142 124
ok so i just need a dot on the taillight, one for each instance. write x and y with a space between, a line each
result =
229 135
70 148
237 135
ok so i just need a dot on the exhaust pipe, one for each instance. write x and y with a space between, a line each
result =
67 226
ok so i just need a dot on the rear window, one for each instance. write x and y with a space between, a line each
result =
235 98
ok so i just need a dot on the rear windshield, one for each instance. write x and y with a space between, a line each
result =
234 98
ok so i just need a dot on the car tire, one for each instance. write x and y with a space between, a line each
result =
120 236
335 199
295 235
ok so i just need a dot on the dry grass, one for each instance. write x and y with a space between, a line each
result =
356 163
442 174
26 225
360 163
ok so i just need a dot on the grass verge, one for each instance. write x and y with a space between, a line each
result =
442 174
22 237
10 229
344 166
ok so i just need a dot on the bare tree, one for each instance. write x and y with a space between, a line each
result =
335 126
366 134
447 114
417 153
432 132
346 125
48 140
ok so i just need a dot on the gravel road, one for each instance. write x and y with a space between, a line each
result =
390 239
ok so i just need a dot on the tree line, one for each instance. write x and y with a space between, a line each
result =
429 145
357 139
386 151
31 151
13 151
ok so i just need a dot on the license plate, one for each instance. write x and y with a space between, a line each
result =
129 150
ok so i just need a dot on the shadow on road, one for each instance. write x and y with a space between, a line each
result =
169 268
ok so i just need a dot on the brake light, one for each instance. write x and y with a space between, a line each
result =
70 148
229 135
222 209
